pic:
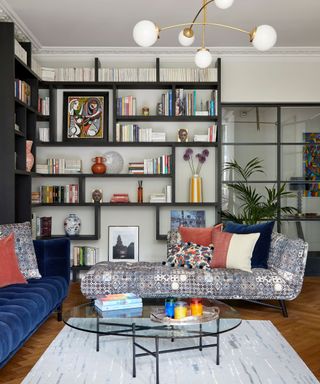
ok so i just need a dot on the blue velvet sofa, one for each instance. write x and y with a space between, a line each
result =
24 307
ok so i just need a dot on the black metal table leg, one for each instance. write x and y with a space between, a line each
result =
172 338
218 342
98 324
157 360
200 338
133 350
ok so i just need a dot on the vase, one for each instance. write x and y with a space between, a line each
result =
195 189
29 156
72 224
99 167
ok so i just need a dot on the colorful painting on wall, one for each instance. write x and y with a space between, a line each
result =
85 116
187 219
311 163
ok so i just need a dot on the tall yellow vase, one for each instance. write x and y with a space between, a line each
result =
196 189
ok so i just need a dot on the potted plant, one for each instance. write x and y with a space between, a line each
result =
254 206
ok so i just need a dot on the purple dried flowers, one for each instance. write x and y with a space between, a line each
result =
202 157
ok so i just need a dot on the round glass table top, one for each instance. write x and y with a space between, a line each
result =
137 321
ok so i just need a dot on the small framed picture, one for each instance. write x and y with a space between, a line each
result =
183 135
85 117
123 243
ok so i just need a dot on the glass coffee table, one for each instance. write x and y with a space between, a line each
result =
139 326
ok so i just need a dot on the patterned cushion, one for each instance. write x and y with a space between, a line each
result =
24 248
190 255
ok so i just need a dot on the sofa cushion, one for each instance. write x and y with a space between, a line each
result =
201 236
262 247
23 307
9 268
233 251
24 248
190 255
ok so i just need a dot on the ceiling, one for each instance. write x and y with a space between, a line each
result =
106 23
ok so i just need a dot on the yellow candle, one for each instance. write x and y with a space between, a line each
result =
180 310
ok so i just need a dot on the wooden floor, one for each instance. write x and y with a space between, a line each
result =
301 329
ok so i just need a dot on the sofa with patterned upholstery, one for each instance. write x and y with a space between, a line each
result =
24 307
281 281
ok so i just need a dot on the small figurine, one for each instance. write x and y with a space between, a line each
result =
97 196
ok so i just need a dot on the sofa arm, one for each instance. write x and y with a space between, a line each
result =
53 257
288 258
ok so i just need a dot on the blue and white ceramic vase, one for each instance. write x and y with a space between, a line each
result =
72 225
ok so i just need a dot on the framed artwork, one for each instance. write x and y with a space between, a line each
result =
187 219
311 163
123 243
85 116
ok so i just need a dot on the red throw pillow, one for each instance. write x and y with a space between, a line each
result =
9 268
201 236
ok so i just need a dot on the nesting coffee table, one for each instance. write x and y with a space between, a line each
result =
88 319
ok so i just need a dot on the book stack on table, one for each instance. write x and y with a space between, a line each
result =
119 305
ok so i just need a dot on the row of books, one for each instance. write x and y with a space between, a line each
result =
164 197
159 166
84 256
44 105
165 107
44 136
126 106
188 74
22 91
67 74
118 302
127 74
20 52
41 226
134 134
60 166
50 194
187 104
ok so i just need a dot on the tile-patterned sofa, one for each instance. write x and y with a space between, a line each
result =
281 281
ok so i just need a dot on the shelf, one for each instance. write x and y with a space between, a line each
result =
28 107
19 133
133 204
110 175
168 118
81 267
127 144
22 173
23 70
41 117
80 237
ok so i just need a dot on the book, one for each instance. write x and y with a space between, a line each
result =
117 307
116 300
122 313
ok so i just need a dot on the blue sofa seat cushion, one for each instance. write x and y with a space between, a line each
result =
23 307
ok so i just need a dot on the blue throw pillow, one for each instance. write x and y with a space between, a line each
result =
262 247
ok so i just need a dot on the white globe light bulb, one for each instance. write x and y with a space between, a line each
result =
145 33
223 4
184 40
203 58
264 37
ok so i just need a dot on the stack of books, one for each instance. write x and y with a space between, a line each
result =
158 198
120 198
126 106
36 197
136 168
44 135
118 302
22 91
20 51
84 256
57 166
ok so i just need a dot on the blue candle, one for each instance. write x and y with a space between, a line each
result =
169 307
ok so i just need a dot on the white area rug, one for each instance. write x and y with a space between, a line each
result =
255 352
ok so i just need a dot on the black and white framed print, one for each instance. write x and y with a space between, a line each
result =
123 243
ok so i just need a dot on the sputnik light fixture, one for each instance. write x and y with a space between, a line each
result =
146 33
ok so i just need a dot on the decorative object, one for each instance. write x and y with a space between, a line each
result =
210 314
183 135
196 219
99 167
159 109
180 310
311 160
24 248
114 162
123 243
195 189
72 225
85 116
233 251
146 33
196 307
29 156
97 195
169 306
140 192
254 206
145 111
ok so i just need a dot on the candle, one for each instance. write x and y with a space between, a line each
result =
169 306
196 307
180 310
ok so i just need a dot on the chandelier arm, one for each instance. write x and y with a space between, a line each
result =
198 13
210 24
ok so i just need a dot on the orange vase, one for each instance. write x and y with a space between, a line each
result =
195 189
99 167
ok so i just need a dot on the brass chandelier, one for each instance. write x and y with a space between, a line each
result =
146 33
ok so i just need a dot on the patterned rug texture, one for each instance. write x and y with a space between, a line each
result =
253 353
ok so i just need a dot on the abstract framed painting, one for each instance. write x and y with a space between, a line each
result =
85 117
123 243
311 163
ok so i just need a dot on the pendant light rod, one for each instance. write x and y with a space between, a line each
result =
207 23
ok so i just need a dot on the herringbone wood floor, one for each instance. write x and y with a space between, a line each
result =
301 329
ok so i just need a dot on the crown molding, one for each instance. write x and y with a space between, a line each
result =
22 32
